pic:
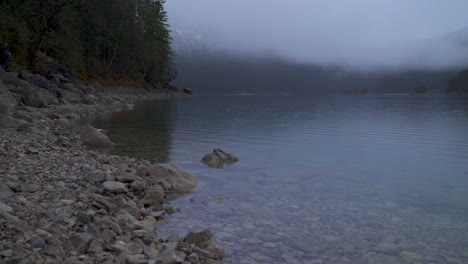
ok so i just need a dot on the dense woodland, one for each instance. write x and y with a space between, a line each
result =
98 39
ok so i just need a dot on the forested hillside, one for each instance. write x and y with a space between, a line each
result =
98 39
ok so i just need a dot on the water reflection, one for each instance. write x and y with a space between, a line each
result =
144 132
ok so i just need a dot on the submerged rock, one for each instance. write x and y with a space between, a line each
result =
387 247
219 158
411 256
199 237
94 138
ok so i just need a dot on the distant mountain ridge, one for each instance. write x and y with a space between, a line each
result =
207 68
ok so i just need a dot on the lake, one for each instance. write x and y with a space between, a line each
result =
374 179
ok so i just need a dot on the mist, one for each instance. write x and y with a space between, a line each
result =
362 34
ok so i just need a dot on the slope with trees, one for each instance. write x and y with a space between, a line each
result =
98 39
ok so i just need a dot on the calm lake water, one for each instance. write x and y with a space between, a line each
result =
332 179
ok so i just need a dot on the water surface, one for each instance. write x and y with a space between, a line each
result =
329 179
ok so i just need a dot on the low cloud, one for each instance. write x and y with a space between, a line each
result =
361 34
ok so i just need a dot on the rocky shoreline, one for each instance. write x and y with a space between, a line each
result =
62 202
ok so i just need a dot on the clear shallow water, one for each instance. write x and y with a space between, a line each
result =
321 179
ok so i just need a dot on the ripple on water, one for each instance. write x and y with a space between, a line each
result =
320 180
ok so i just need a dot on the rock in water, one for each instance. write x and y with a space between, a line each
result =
95 138
199 237
179 181
219 158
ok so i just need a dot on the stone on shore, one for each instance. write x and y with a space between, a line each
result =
10 122
7 100
81 241
154 197
5 191
92 137
38 80
37 242
61 202
179 182
218 158
170 256
5 208
68 96
114 187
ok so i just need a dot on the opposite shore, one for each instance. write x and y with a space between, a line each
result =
62 202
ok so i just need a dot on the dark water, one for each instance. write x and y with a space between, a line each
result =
335 179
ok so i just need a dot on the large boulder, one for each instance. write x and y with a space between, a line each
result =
47 66
29 93
7 100
58 79
154 197
68 96
10 122
71 87
11 78
38 97
218 158
38 81
178 181
5 56
93 137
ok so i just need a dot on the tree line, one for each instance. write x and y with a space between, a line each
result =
95 38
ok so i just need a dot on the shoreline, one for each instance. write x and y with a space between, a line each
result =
62 202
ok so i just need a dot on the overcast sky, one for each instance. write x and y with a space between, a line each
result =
352 32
